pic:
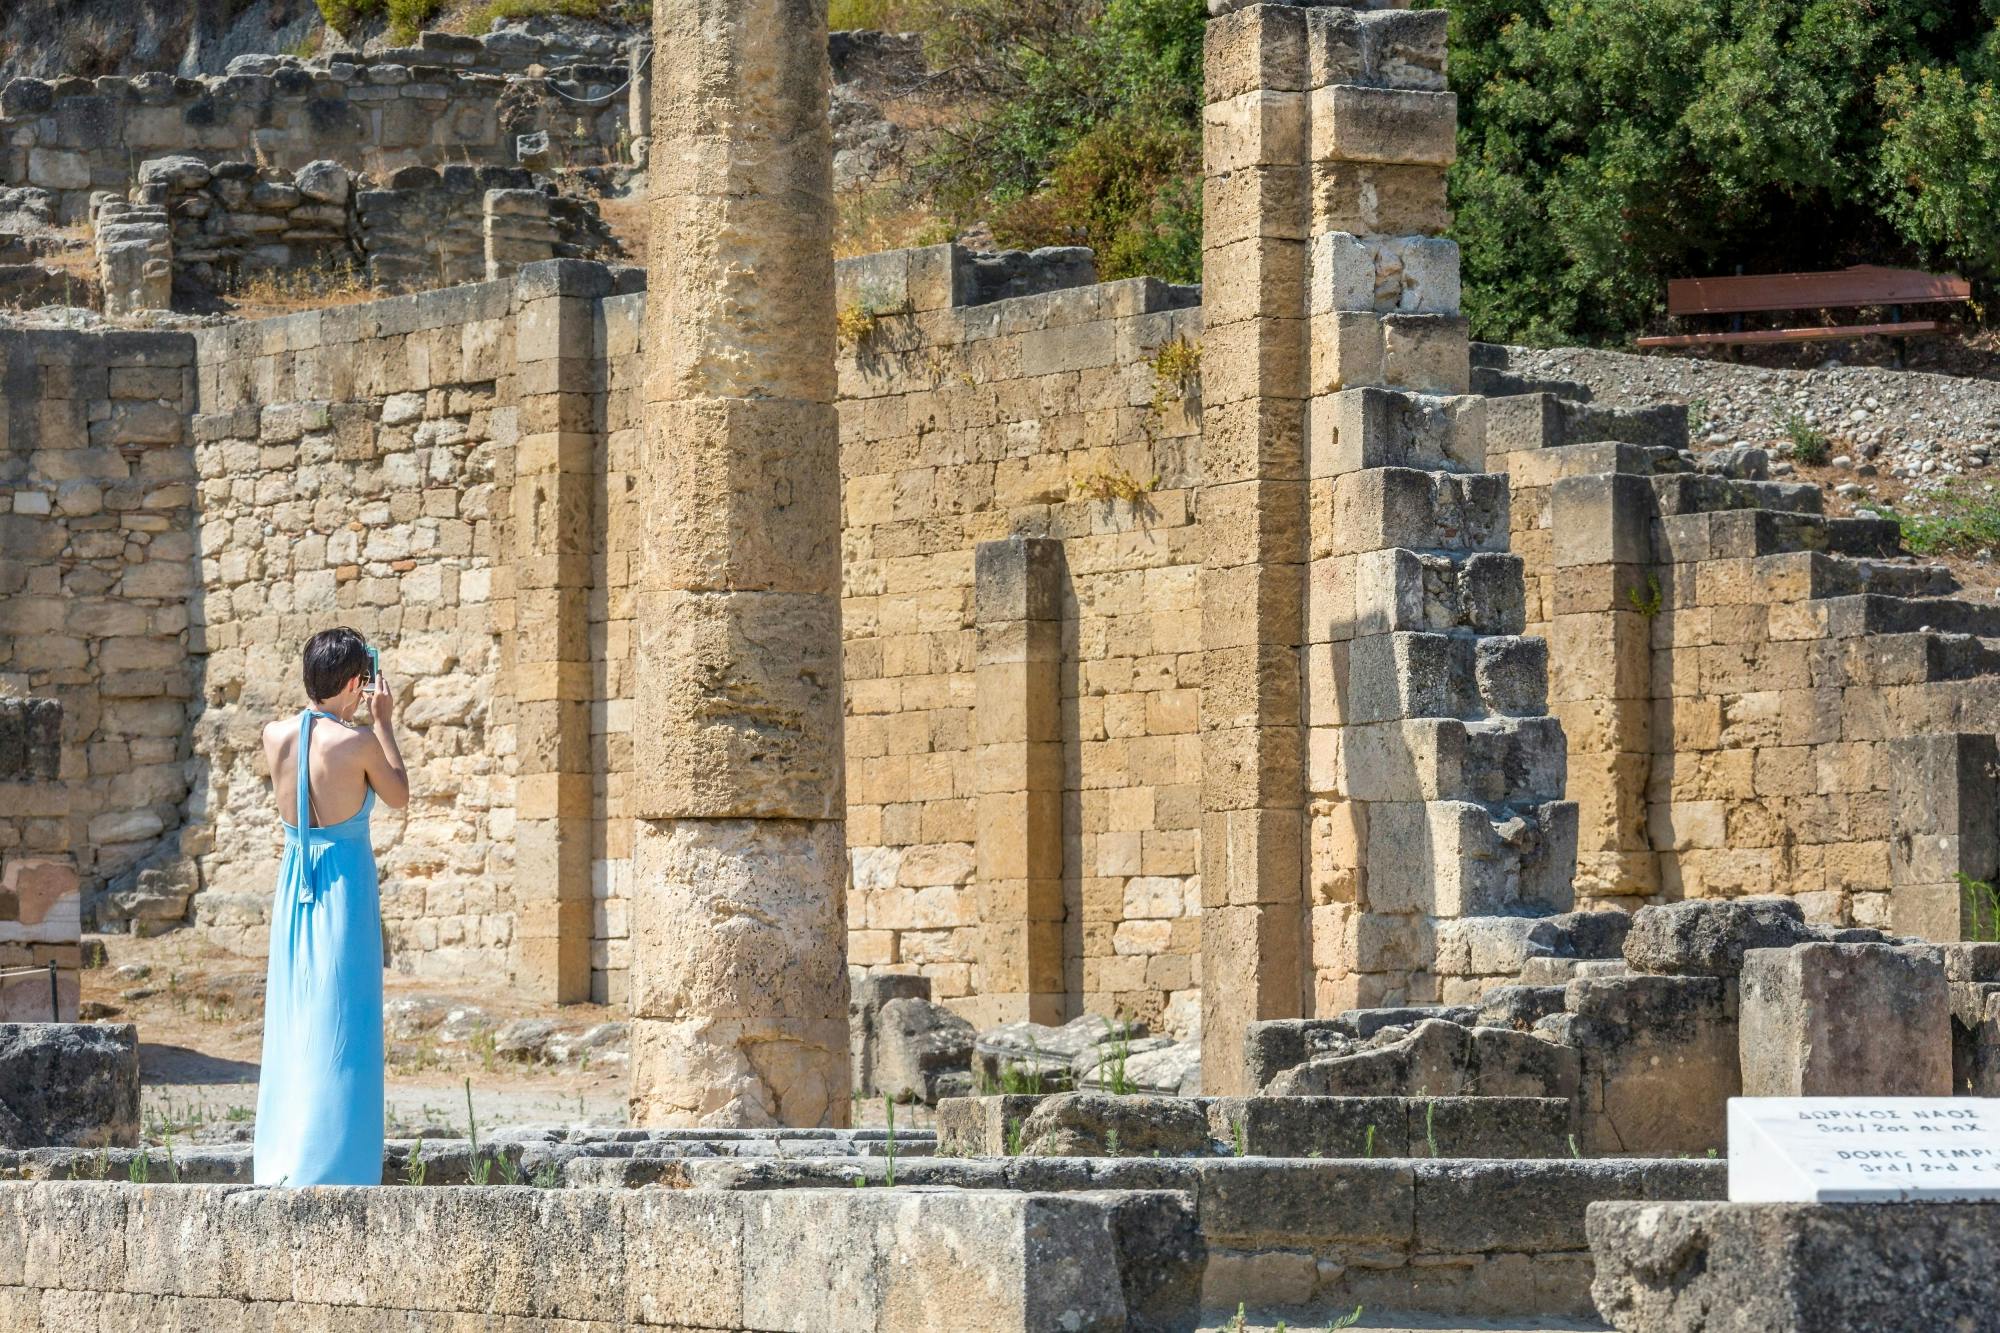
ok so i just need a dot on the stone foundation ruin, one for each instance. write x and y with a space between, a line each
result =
935 671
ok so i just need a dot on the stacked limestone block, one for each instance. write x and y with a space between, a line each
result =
97 571
739 984
1758 699
429 106
995 399
1436 777
237 218
135 257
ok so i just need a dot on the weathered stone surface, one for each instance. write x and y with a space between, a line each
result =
839 1260
1085 1124
866 996
916 1043
1793 1268
1845 1020
1709 938
1440 1059
68 1085
1658 1061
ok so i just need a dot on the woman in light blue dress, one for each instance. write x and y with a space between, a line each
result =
319 1093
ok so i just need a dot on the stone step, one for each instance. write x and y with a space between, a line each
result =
1413 675
1418 510
1427 591
1491 761
1067 1124
1922 658
1376 427
1738 533
1870 613
1695 492
1546 421
1468 858
1544 467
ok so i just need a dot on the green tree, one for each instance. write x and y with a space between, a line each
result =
1081 125
1608 145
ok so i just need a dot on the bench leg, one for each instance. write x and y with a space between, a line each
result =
1898 349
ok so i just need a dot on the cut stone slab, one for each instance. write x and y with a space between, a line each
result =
837 1260
1703 938
1794 1268
1092 1124
1845 1020
69 1085
1440 1059
1294 1127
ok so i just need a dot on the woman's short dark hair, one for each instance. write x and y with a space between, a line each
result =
332 658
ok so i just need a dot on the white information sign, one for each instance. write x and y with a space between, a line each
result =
1863 1149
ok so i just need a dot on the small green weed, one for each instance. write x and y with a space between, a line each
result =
418 1168
141 1169
1430 1126
1964 524
1348 1320
1108 481
1809 444
479 1171
1982 909
1115 1081
1014 1137
1648 605
1111 1141
1368 1144
1241 1137
889 1109
1574 1154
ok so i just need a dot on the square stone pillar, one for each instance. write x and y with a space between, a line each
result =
1252 506
1845 1020
1017 600
41 917
1608 591
739 931
559 377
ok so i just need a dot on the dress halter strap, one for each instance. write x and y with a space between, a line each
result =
303 779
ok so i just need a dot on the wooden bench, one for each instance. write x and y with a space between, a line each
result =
1770 293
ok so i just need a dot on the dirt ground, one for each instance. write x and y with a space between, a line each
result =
199 1013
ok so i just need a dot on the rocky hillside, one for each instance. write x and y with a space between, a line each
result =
45 38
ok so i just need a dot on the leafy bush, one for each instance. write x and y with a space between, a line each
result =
1079 125
406 18
1962 524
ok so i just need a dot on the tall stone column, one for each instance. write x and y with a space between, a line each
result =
739 979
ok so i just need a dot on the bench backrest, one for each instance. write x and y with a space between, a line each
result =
1864 284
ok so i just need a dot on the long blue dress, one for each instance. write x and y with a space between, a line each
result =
319 1093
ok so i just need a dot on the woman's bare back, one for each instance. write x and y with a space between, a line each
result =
342 757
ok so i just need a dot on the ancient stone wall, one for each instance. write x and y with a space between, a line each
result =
97 579
1758 698
1072 418
448 102
356 467
40 904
